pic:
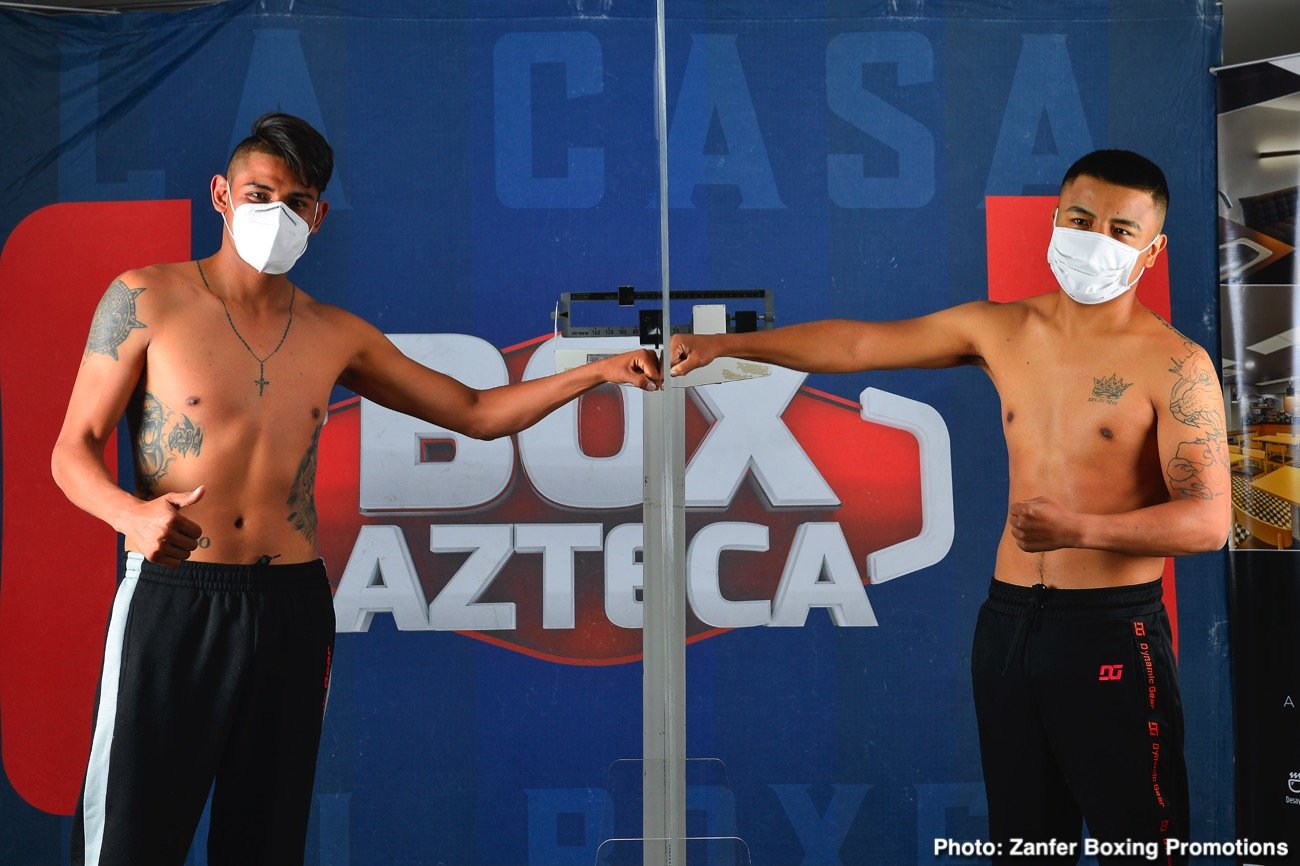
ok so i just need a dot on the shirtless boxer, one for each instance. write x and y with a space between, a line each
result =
218 652
1114 425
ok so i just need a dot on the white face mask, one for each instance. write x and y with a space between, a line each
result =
1091 267
270 237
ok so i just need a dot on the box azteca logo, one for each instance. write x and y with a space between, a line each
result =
794 498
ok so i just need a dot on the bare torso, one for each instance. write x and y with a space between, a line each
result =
1079 412
201 417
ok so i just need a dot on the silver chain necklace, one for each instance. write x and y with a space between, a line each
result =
261 381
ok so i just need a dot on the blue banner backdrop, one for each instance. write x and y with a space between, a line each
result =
490 156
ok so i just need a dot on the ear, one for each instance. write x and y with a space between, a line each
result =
322 209
1153 252
220 188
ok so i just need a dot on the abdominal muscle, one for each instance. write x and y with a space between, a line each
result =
1072 568
245 535
1087 482
246 512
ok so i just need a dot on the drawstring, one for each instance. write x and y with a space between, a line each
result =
1029 621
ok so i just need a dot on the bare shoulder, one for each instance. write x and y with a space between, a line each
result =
133 307
1168 344
155 288
334 318
990 318
347 334
1183 378
977 313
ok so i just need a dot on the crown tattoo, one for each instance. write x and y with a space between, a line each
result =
1112 386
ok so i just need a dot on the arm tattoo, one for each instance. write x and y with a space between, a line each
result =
302 498
1195 402
156 446
114 320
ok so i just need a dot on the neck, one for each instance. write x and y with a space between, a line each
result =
232 280
1108 316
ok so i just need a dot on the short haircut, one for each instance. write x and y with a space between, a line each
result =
294 140
1123 168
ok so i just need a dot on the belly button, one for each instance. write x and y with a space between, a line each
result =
239 523
1105 433
191 401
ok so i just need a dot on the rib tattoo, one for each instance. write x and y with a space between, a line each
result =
156 445
302 498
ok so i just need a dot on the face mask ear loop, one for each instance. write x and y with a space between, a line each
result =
1144 268
224 221
311 226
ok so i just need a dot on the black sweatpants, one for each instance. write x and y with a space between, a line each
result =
1076 692
211 673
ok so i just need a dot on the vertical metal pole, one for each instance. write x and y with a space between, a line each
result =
664 597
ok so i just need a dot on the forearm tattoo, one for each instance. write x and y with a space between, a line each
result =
302 498
114 320
1195 401
161 438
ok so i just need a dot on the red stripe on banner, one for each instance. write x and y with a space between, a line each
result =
1019 229
57 564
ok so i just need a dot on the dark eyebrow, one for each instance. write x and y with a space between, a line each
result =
1119 221
294 193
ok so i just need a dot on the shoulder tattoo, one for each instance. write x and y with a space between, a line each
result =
1195 401
114 320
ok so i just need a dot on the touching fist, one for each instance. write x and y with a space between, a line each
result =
639 368
692 351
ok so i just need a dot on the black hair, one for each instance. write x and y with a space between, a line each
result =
294 140
1123 168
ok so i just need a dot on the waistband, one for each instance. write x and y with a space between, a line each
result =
257 577
1056 603
1033 604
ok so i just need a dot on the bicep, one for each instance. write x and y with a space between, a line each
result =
381 373
947 338
111 364
1191 429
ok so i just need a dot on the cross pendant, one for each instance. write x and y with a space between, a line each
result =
261 381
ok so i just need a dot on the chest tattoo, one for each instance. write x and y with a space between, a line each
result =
1109 389
163 436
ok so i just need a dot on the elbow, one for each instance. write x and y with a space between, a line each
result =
482 420
484 429
485 434
1208 543
1223 535
58 465
1213 532
1220 538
